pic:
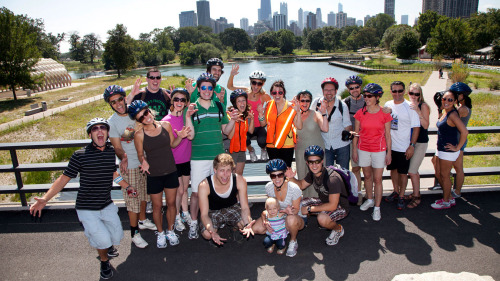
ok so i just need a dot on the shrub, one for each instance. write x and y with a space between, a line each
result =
459 72
272 51
494 84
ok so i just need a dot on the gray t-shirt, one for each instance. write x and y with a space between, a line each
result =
355 105
123 127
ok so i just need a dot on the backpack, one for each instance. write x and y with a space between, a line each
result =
221 112
341 109
165 95
350 182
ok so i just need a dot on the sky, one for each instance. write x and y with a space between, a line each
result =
97 16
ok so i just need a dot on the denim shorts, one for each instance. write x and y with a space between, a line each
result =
103 228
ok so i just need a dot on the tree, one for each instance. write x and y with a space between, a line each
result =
367 36
18 52
351 42
380 22
450 37
331 38
264 40
187 53
48 44
406 44
426 22
496 49
392 32
119 50
286 41
315 40
77 49
235 38
91 45
485 27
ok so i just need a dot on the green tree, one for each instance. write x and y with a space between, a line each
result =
148 54
405 45
331 38
92 45
187 53
286 41
119 50
48 44
450 37
496 49
485 27
77 49
315 40
380 22
367 36
264 40
426 22
18 52
236 38
351 42
392 32
206 51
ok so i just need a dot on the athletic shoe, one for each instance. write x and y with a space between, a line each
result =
436 187
368 204
454 194
292 248
360 199
149 207
391 197
113 252
253 156
193 230
441 204
376 215
334 237
139 241
179 226
147 224
106 270
453 202
263 155
161 241
401 203
186 217
172 238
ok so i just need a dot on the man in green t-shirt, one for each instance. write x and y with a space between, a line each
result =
214 67
208 122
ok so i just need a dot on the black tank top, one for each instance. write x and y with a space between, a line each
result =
215 202
159 154
423 135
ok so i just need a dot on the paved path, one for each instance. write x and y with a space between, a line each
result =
464 238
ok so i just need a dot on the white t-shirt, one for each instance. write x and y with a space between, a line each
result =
293 193
337 123
404 119
122 127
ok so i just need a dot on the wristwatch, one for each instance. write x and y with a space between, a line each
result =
308 209
413 144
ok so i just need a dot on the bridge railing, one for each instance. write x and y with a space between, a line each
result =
21 188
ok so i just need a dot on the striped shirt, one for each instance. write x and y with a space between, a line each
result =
96 170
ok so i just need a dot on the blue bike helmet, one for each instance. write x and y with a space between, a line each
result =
113 90
460 88
314 150
236 94
135 108
275 165
206 77
373 89
353 80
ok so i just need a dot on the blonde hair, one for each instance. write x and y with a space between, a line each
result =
223 159
271 201
419 88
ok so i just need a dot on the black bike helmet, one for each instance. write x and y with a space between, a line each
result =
438 98
460 88
373 89
113 90
96 121
180 90
135 108
214 61
206 77
314 150
275 165
353 80
236 94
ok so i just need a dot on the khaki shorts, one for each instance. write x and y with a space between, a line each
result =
372 159
418 157
135 178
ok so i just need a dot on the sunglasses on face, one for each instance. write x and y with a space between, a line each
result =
311 162
448 99
368 96
120 99
99 127
179 99
305 101
280 175
397 91
146 113
256 83
414 94
204 88
277 93
355 87
154 77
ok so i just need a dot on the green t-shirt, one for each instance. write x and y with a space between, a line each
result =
207 142
218 88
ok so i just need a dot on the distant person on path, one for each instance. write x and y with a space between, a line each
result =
448 146
223 200
440 73
99 216
418 104
332 204
215 67
337 150
405 127
121 135
158 99
257 97
277 222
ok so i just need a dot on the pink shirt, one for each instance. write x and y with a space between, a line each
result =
182 153
372 130
253 106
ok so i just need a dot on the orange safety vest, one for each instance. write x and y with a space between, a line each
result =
279 126
239 140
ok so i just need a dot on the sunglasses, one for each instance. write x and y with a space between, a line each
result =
355 87
99 127
146 113
314 161
277 93
154 77
204 88
257 83
414 94
280 175
448 99
179 99
305 101
397 91
368 96
113 102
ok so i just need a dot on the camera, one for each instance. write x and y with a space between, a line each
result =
346 135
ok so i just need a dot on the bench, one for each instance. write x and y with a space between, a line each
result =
35 108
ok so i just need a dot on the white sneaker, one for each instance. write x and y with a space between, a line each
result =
376 215
161 241
368 204
147 224
334 237
253 156
139 241
149 207
193 230
263 155
186 217
292 248
179 226
172 238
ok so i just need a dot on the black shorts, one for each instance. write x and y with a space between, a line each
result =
157 184
399 162
183 169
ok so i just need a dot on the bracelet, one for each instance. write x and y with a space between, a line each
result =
118 179
261 118
324 115
128 186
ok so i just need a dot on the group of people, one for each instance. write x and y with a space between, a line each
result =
167 140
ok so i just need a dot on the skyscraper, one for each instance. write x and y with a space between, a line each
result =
332 19
188 18
279 22
389 7
341 9
244 24
404 19
301 19
367 17
341 19
284 9
265 10
350 21
311 21
203 9
451 8
319 18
